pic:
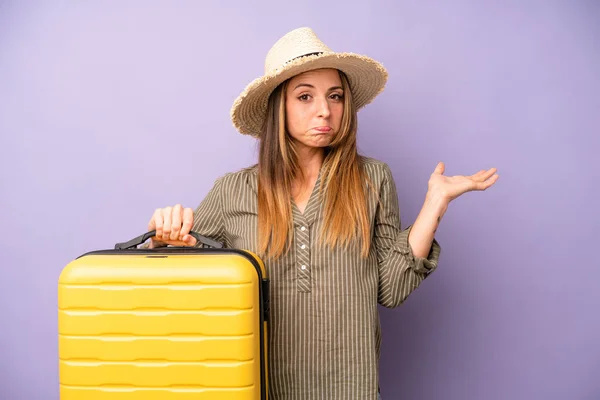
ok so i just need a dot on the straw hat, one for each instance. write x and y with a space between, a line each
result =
299 51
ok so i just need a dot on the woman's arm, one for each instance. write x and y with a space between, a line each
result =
441 191
426 224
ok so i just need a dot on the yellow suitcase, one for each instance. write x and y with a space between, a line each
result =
171 324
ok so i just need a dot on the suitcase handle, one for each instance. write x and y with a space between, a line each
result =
142 238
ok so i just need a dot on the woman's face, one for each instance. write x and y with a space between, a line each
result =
314 104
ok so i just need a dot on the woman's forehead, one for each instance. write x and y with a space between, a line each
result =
318 76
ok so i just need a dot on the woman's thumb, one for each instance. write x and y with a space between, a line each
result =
189 240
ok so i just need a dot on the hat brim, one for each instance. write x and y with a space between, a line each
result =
367 78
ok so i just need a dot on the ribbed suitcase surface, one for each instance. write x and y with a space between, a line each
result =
171 324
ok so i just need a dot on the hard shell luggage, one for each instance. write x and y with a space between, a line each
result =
174 323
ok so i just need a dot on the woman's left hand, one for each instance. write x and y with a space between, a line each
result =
442 190
448 188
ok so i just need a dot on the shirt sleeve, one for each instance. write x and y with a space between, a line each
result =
208 216
400 272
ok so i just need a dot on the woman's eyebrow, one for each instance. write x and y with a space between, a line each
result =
312 87
304 84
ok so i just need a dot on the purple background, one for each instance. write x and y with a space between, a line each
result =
112 109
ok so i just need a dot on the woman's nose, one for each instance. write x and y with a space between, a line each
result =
323 108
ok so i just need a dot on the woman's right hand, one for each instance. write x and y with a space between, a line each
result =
172 225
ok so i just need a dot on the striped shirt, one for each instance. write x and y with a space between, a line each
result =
324 333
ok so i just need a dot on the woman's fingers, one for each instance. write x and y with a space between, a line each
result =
490 172
188 221
166 230
176 217
478 175
439 168
173 225
487 182
483 175
156 223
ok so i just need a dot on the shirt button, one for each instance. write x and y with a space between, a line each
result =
303 229
303 246
303 267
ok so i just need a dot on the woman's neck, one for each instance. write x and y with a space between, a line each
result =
310 161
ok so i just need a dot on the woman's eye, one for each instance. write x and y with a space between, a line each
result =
337 96
304 97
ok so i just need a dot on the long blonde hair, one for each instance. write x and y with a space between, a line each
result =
343 182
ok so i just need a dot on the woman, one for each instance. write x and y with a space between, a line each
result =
324 219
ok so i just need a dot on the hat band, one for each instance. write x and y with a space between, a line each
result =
305 55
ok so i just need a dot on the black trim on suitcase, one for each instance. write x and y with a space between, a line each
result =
142 238
263 287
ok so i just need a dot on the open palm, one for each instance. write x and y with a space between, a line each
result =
450 187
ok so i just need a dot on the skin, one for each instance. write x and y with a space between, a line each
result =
314 100
314 103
